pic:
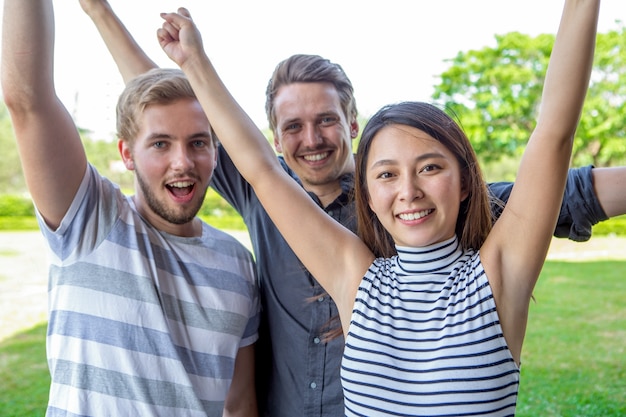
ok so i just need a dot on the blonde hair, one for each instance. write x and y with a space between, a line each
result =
157 86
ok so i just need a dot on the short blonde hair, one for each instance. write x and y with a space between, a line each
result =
157 86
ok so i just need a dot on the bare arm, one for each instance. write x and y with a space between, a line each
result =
130 59
336 257
609 186
514 252
241 399
52 155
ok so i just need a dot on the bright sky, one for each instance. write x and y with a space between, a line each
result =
392 50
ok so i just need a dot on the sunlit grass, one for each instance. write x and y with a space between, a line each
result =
574 356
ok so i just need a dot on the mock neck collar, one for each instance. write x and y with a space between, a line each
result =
439 257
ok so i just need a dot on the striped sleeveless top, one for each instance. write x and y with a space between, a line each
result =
425 339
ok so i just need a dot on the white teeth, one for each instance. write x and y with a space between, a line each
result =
316 157
181 184
414 216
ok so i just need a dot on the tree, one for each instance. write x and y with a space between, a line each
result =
102 154
495 93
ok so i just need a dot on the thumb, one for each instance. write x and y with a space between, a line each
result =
184 12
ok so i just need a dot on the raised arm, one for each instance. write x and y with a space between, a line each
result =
592 195
335 256
52 155
130 59
515 250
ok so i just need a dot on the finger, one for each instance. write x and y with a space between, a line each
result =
172 30
164 36
176 19
184 12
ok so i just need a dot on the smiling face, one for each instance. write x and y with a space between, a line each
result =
414 186
314 136
173 157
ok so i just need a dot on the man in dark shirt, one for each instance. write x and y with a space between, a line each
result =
313 116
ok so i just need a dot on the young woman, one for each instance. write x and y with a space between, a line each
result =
438 328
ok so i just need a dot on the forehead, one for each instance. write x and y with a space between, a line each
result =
303 100
397 142
181 116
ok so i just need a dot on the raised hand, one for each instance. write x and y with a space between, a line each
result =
179 37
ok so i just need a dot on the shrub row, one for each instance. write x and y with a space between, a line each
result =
17 212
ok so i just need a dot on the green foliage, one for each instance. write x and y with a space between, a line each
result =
495 93
18 223
11 177
18 213
615 226
16 206
219 214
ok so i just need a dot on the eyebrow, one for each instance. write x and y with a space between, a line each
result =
423 157
156 136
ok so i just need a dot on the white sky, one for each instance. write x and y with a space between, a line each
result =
392 50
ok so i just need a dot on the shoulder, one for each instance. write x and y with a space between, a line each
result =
236 242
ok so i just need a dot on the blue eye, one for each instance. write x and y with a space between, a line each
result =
328 120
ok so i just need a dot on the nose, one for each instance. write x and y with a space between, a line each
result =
409 188
311 136
182 158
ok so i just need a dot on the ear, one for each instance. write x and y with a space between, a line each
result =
354 129
126 154
277 146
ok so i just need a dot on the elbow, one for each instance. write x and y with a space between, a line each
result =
22 99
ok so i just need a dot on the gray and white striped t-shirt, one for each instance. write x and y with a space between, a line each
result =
142 322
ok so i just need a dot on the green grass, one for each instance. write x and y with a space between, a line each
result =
24 377
574 358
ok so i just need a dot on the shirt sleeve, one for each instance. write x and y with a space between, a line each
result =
580 209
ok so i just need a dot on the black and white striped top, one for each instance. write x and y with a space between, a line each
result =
425 339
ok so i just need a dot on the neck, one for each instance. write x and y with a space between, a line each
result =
326 193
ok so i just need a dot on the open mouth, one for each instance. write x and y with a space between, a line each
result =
181 189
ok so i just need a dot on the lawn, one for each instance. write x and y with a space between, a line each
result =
574 358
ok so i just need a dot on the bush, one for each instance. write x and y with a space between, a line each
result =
615 226
16 206
18 213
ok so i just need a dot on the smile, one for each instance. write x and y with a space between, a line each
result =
316 157
181 188
415 216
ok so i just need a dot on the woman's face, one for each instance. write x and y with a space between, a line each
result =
415 186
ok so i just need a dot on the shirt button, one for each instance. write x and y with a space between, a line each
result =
320 299
316 340
313 385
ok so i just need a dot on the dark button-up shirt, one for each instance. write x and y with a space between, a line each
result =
297 370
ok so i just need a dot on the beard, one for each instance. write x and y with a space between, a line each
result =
160 209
